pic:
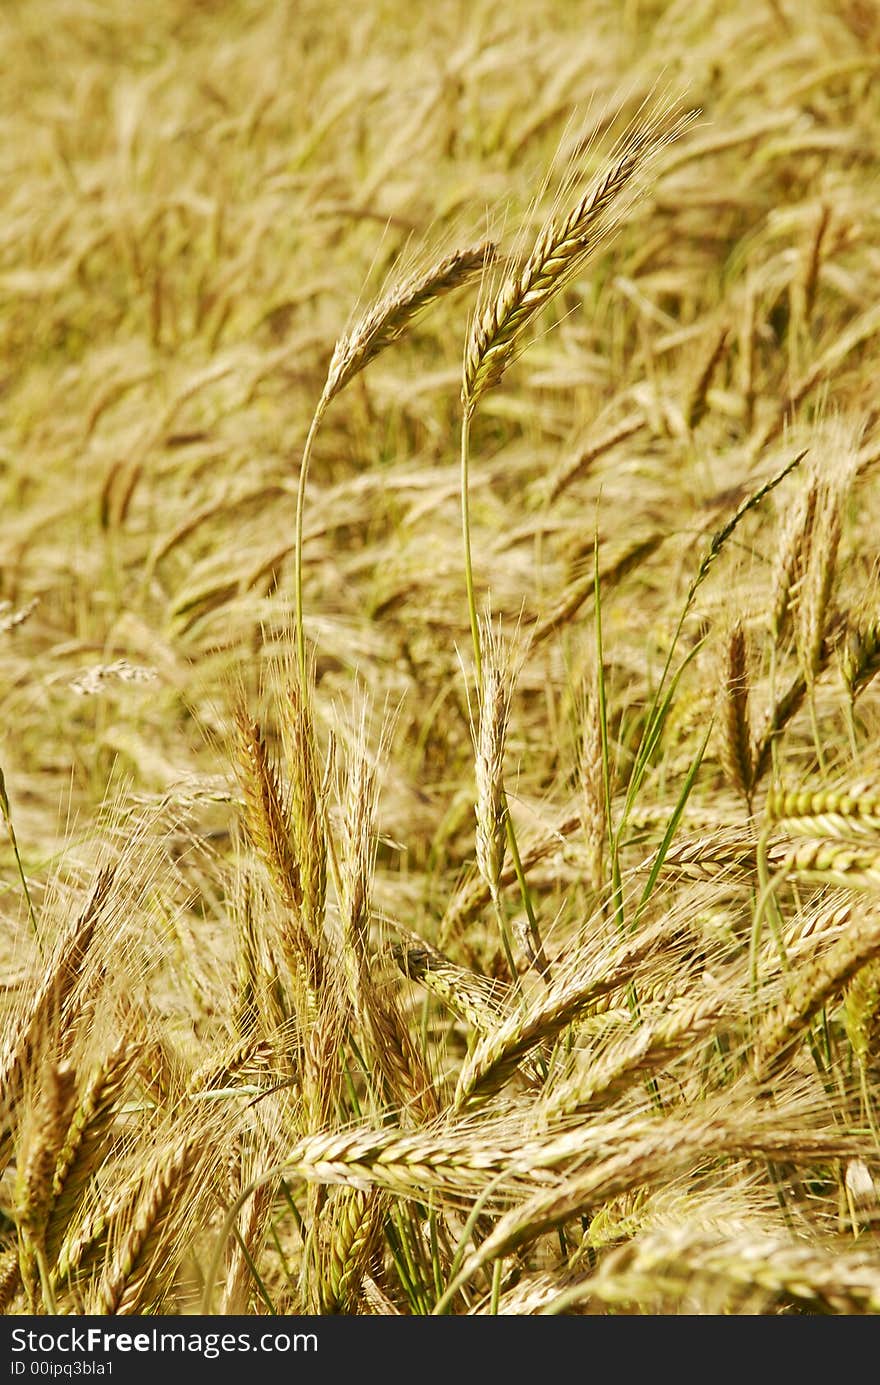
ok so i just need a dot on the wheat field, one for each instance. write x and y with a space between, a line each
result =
439 620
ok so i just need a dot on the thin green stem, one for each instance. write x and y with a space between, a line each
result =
814 723
466 539
298 538
766 903
505 940
7 817
45 1281
534 931
496 1287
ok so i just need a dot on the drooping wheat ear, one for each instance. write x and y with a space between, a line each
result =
140 1265
686 1023
849 812
737 753
498 1054
835 863
591 770
379 327
266 811
89 1136
475 999
246 1058
36 1022
696 405
791 558
664 1153
387 320
581 463
84 1242
812 987
860 660
355 1220
506 1152
560 252
674 1263
36 1162
727 855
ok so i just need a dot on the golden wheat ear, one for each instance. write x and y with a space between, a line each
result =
563 247
390 316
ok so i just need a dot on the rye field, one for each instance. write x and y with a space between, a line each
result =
439 638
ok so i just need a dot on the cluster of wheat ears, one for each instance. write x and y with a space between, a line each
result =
611 1042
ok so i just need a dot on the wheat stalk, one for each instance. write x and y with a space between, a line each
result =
384 323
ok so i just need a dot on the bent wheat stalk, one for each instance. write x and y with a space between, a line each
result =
380 326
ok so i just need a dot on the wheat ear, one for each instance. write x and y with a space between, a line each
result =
29 1032
560 252
498 1053
737 752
